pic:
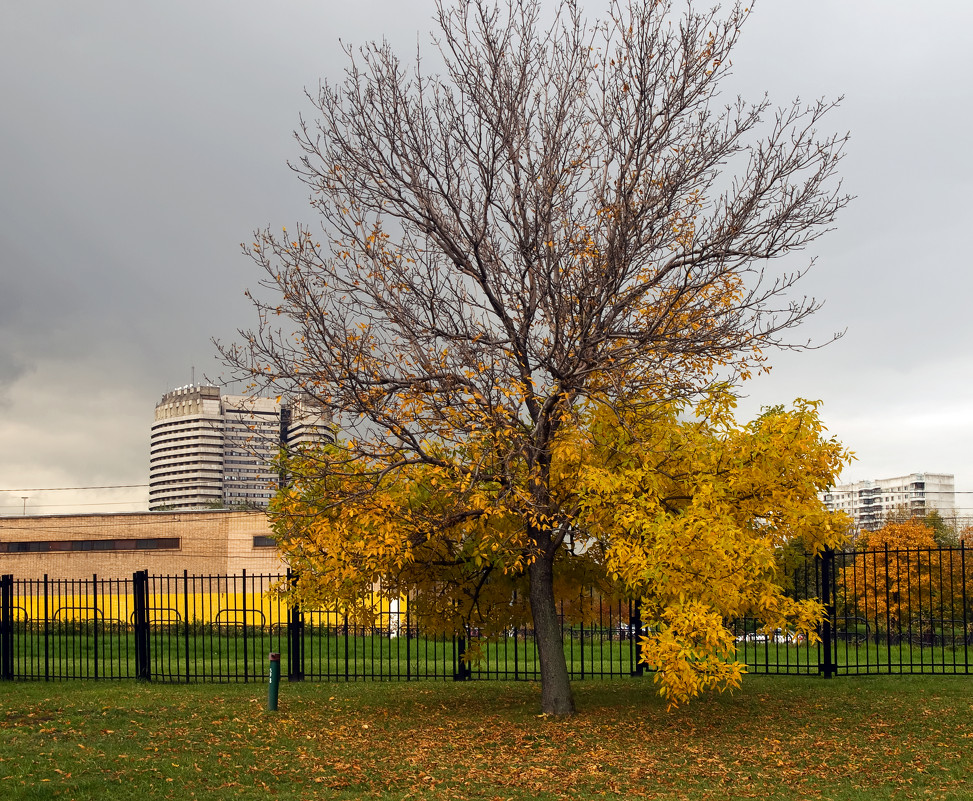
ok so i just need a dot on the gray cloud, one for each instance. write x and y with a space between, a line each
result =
141 143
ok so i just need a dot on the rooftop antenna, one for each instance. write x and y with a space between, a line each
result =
194 375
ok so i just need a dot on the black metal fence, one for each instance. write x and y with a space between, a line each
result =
193 628
888 611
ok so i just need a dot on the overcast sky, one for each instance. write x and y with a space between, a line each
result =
140 143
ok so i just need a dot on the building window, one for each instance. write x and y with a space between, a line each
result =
263 541
46 546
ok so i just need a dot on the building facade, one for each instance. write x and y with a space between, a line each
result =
870 503
213 450
114 546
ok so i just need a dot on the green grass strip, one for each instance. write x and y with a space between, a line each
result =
777 738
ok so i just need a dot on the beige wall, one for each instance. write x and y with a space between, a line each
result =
210 542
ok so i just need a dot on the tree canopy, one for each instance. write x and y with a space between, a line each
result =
565 231
683 509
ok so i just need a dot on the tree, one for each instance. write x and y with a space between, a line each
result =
891 574
944 533
566 219
681 508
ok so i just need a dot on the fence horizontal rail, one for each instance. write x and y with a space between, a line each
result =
888 611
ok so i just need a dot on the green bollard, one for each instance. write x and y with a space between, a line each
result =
274 683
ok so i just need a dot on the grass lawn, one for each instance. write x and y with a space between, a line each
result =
778 738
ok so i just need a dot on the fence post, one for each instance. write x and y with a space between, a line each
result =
140 589
7 627
966 620
295 636
461 668
185 619
94 622
888 609
635 632
47 630
827 667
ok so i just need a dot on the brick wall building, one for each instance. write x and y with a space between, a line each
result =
209 542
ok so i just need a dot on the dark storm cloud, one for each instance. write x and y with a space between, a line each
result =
140 143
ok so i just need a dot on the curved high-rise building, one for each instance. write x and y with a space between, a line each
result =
186 451
210 450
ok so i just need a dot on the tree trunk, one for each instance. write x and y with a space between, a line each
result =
556 696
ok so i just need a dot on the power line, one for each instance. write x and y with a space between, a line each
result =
59 489
41 504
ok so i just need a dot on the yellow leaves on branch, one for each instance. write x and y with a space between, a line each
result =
693 511
691 652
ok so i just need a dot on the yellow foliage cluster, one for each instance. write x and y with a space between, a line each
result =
692 513
681 508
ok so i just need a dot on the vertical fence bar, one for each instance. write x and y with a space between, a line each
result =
374 632
966 622
346 646
908 579
952 609
635 635
408 639
858 602
246 644
210 635
869 614
810 588
109 625
57 645
7 627
140 591
116 629
888 610
47 630
844 587
185 620
943 620
295 636
581 621
898 622
194 671
94 621
922 635
462 671
827 600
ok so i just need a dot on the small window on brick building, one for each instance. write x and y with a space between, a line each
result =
42 546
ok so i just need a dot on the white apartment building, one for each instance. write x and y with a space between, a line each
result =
869 503
209 449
